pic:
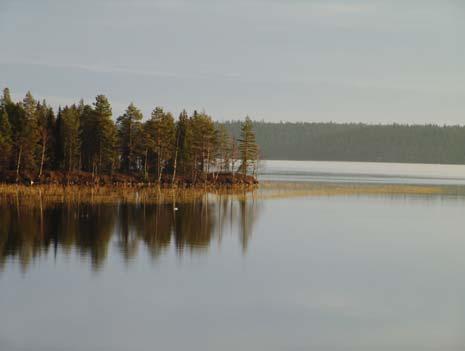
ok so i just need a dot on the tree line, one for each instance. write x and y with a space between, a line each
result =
85 138
358 142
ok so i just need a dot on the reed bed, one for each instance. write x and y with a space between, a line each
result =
270 190
53 194
49 194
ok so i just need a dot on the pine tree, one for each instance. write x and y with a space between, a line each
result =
58 149
234 156
7 110
106 136
204 141
148 141
6 98
129 136
70 138
23 121
30 106
88 138
224 148
6 140
182 158
46 126
161 131
248 147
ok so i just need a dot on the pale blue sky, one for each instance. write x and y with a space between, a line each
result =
300 60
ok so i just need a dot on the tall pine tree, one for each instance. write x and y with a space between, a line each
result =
129 136
106 136
162 133
46 126
6 140
248 147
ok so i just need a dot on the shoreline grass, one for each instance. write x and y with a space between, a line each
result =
276 189
38 194
109 194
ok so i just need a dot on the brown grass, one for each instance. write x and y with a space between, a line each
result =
49 194
106 194
270 190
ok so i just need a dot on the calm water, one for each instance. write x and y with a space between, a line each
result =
303 273
366 172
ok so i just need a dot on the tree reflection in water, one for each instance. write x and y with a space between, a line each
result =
28 232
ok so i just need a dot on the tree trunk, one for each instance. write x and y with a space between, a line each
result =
70 158
99 161
175 164
194 170
245 161
158 165
128 169
18 163
145 164
255 169
160 174
42 159
233 161
160 168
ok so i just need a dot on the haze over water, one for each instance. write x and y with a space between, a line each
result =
339 272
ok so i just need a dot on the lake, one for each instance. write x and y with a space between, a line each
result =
225 272
365 172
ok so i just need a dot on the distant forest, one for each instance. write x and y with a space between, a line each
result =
358 142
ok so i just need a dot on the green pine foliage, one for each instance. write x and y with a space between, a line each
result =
85 138
105 152
6 140
130 139
45 126
161 133
203 143
248 147
69 138
183 143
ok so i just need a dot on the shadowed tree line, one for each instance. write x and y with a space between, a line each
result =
35 140
358 142
29 232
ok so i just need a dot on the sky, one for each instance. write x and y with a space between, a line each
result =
275 60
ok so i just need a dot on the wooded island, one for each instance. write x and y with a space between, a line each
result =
80 144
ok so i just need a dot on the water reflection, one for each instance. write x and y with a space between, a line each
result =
28 232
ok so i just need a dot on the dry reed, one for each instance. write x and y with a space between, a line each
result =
270 190
50 194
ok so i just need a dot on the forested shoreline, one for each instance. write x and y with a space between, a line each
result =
83 144
358 142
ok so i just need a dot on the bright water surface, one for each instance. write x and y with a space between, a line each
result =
366 172
304 273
